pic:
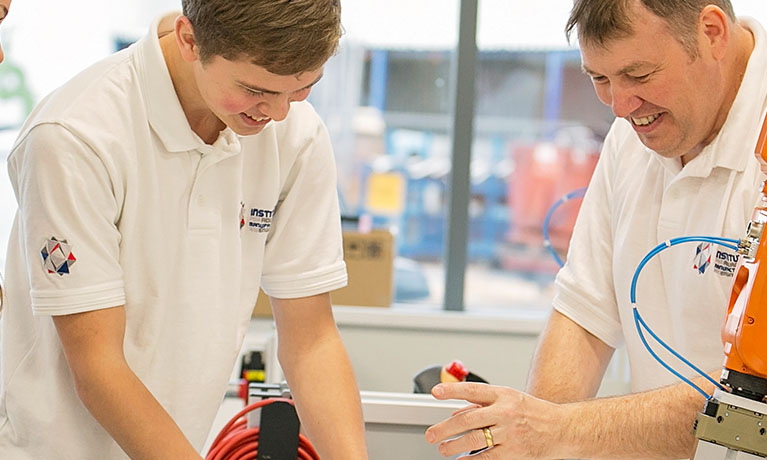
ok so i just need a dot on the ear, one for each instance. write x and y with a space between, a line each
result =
187 45
714 24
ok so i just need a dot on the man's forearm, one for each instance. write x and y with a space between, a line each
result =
127 410
655 424
568 368
569 362
93 345
327 398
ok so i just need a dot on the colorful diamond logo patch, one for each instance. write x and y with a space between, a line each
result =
57 256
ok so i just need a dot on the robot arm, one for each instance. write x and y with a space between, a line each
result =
745 330
732 425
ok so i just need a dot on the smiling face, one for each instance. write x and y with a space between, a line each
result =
673 101
5 5
236 93
245 96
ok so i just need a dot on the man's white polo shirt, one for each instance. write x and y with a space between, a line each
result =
120 203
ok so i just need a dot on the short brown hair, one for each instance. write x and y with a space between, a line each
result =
286 37
599 21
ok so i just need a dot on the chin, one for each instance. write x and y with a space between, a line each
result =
662 150
247 131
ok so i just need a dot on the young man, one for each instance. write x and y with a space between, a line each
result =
685 80
157 190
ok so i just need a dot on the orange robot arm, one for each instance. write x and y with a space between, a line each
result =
745 330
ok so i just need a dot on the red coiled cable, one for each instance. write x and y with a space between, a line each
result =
238 442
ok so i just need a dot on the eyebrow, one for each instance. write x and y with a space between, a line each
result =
268 91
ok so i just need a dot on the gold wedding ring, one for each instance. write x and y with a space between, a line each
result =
488 437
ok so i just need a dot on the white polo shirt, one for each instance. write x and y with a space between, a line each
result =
637 200
121 203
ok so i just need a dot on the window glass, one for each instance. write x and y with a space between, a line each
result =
386 100
538 128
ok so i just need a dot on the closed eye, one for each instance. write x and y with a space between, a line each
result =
640 78
253 92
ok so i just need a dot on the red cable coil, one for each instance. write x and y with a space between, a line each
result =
236 441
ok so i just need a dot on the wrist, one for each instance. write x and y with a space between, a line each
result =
570 439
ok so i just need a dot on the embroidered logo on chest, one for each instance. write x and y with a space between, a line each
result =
725 263
57 256
722 261
257 220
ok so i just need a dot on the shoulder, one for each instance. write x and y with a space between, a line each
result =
47 150
95 102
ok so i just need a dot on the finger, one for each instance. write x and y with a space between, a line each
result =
468 408
470 441
486 454
463 422
478 393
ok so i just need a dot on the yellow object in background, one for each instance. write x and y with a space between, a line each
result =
254 375
385 193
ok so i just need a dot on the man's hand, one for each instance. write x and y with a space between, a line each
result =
650 425
521 426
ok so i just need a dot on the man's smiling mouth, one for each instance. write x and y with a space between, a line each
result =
644 121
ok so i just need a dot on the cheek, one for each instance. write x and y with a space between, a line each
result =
603 94
233 104
219 99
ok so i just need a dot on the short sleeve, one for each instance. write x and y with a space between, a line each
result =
585 290
304 254
67 219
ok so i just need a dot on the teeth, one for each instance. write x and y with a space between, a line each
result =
256 119
644 121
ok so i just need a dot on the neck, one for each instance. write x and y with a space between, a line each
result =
202 121
734 68
744 46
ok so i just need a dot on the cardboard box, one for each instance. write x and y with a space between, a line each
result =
369 261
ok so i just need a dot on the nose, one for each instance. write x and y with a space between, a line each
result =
621 99
276 107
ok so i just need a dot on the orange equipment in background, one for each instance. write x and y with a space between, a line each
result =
543 172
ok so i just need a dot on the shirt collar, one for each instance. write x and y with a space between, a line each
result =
164 110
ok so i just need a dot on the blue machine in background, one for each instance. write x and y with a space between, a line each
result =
420 222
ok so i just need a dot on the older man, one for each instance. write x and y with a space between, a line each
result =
685 80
